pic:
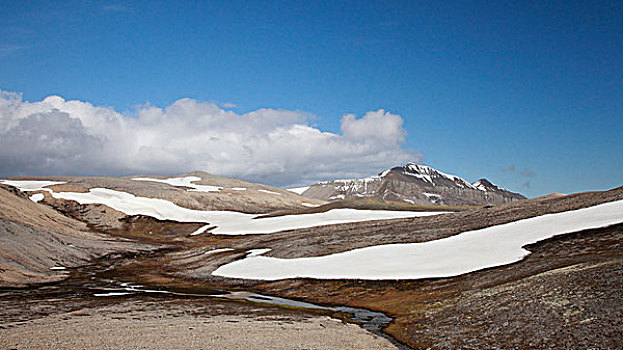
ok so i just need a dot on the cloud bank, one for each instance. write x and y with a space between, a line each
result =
279 147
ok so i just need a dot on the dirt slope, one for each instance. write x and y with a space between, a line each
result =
35 237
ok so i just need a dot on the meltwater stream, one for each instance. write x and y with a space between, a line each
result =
100 281
89 282
371 320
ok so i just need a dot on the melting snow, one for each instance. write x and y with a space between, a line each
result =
183 182
27 185
480 186
58 268
111 294
200 230
430 194
298 190
216 251
239 188
225 222
270 192
452 256
37 197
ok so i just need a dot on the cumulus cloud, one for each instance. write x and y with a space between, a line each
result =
279 147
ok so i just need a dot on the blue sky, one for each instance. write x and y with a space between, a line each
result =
528 95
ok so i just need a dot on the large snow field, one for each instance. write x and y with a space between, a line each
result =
226 222
452 256
183 182
28 186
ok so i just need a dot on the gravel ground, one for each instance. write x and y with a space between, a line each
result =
140 324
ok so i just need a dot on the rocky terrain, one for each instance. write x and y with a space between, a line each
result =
144 323
565 294
37 243
416 184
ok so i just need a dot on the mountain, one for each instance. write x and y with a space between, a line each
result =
417 184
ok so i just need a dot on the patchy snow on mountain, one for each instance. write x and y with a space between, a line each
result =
466 252
486 185
416 183
37 197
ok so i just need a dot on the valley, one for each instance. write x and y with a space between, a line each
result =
96 254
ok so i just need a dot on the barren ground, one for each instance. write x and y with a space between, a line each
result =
566 294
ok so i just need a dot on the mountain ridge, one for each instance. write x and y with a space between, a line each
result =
416 184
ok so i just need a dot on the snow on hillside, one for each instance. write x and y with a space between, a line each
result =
270 192
226 222
183 182
28 186
452 256
298 190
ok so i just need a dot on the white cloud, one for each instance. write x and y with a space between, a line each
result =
279 147
379 125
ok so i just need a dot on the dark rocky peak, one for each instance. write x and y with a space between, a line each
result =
428 175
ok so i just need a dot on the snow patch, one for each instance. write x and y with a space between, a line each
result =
58 268
37 197
111 294
429 195
200 230
216 251
226 222
452 256
256 252
270 192
298 190
31 185
186 181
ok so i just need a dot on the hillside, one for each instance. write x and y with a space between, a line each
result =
195 190
433 274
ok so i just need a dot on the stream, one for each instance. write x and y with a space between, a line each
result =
95 281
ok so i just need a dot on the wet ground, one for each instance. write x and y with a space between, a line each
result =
108 281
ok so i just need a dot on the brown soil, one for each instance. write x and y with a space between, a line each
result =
35 237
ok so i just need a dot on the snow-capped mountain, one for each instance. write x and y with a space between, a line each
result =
414 183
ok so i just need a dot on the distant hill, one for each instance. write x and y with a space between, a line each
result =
414 183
